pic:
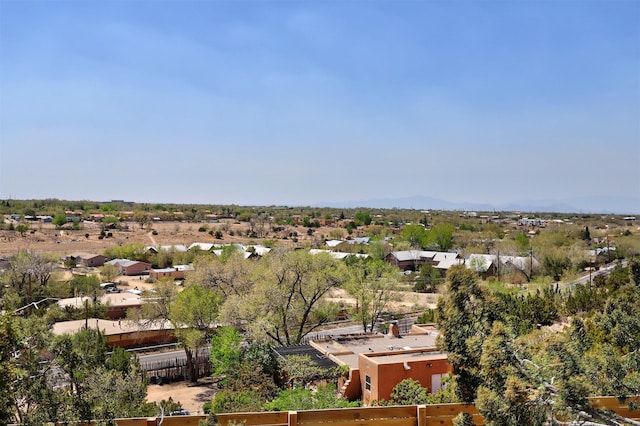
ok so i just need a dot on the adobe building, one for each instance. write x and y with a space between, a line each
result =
381 372
377 363
122 333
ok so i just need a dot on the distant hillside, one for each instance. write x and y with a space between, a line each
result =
596 204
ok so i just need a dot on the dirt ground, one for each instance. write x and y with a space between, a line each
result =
45 238
191 397
401 301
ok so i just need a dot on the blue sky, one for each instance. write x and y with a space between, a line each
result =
278 102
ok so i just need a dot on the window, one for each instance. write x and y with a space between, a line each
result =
367 382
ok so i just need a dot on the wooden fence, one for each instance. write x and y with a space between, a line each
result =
173 370
410 415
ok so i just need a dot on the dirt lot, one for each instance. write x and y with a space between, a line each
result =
191 397
45 238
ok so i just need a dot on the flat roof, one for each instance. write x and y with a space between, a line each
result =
345 350
406 357
109 328
111 299
320 359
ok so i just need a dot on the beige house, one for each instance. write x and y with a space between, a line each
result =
87 259
131 267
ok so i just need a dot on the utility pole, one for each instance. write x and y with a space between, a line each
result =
86 314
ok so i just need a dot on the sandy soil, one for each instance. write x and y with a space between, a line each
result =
44 238
401 301
191 397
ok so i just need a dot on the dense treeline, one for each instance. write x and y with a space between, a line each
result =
517 374
66 378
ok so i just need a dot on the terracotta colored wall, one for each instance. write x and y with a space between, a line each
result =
137 269
352 391
384 377
392 374
140 338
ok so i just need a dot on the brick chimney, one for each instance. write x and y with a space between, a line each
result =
393 329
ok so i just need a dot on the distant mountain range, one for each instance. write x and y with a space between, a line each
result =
595 204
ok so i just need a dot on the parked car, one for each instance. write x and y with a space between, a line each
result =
180 412
113 290
135 291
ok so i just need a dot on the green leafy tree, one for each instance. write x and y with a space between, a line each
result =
33 401
522 242
428 279
78 380
22 228
135 251
409 392
8 368
300 370
59 220
372 283
226 352
26 279
287 301
156 310
229 276
503 396
85 284
192 314
416 235
227 401
109 272
362 218
142 218
465 317
442 236
555 263
323 397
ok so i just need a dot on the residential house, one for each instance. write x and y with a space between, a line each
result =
358 240
413 260
410 260
337 254
176 272
489 265
87 259
380 372
377 363
174 248
202 246
131 267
